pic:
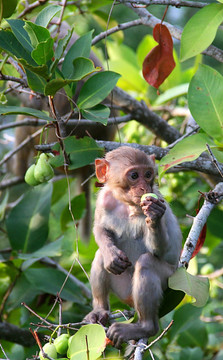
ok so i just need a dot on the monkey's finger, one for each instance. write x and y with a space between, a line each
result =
123 257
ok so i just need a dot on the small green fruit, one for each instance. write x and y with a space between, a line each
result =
43 170
29 176
207 269
61 343
144 196
50 350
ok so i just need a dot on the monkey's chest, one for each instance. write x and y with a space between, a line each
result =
130 238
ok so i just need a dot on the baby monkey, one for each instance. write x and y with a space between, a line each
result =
139 243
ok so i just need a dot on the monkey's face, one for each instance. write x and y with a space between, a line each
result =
139 180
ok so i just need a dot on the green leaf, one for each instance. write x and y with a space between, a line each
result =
191 354
45 16
21 35
83 67
172 93
3 204
200 30
81 48
78 205
41 71
27 222
62 44
7 110
37 34
195 286
43 52
171 298
51 250
205 101
11 45
82 151
36 83
95 335
194 336
23 291
99 113
187 149
96 89
50 281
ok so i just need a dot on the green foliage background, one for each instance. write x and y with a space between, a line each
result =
39 237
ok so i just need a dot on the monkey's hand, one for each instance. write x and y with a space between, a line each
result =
115 260
97 316
153 209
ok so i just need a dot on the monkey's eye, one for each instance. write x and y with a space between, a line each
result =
134 175
148 174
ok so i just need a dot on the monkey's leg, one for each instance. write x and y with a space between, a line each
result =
149 282
99 280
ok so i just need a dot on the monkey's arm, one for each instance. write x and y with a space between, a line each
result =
115 260
164 235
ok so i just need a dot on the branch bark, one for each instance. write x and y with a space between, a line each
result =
211 200
17 335
151 21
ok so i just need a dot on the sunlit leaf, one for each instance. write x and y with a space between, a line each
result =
205 101
195 286
172 93
200 30
95 335
187 149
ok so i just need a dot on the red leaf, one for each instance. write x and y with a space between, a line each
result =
201 240
159 63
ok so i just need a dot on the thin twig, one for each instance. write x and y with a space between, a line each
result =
214 160
30 7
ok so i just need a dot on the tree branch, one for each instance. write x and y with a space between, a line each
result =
150 20
175 3
141 113
17 335
211 200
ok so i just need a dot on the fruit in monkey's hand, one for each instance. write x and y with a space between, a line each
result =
29 176
144 196
50 350
43 170
61 343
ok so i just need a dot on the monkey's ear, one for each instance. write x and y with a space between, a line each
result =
153 158
101 168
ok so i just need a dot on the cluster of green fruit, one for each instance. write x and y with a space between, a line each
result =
40 172
59 346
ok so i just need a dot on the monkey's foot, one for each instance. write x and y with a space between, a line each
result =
99 316
119 333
